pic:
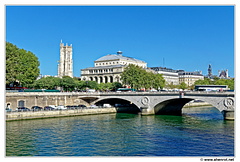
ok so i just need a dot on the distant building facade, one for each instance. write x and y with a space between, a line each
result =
190 77
108 68
170 75
223 74
65 66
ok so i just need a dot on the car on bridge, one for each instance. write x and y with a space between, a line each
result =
48 108
93 106
8 109
21 109
61 107
36 108
81 106
72 107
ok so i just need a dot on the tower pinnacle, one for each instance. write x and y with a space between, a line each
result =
65 66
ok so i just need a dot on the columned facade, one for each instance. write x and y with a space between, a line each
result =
103 78
107 69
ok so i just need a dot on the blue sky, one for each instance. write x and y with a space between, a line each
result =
186 37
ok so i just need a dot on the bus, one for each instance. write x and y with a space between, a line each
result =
41 90
211 88
125 90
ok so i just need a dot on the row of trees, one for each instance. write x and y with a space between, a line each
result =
133 75
138 78
72 84
182 85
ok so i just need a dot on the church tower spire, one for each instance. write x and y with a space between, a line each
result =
65 66
209 71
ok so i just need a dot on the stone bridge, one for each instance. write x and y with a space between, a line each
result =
147 103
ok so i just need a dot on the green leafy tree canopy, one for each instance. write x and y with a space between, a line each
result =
21 66
137 78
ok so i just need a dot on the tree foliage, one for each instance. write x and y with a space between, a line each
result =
21 65
137 78
183 86
216 81
73 84
47 83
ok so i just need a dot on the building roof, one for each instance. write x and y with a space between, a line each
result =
104 67
199 73
118 57
163 69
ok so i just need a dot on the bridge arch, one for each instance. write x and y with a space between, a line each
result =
171 106
174 106
121 105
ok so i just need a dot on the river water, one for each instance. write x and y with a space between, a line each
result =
198 132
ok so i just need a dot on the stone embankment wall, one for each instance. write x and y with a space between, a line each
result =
57 113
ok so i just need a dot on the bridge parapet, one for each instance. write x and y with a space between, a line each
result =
115 93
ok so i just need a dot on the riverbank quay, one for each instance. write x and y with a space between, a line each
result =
12 116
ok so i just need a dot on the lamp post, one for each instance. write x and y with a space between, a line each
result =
86 86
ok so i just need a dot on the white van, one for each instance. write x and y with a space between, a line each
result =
107 105
61 107
91 90
53 106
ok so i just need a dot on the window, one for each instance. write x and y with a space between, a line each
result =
21 103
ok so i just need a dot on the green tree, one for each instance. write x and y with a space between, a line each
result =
67 83
47 83
206 81
91 84
216 81
138 78
132 76
116 85
229 82
40 84
147 80
105 86
158 81
171 86
21 65
183 86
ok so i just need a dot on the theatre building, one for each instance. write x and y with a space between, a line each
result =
108 68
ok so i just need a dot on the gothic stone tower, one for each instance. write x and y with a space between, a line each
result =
65 65
209 71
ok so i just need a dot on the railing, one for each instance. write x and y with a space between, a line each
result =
126 92
134 92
